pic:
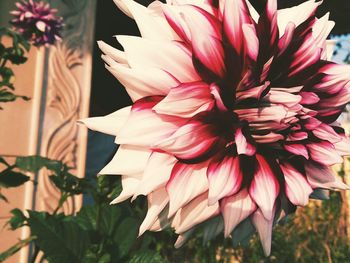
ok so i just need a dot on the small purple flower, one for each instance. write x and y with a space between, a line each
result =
38 22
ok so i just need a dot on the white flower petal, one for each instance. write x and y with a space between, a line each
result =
156 173
169 56
152 24
264 228
128 160
298 189
235 209
196 212
157 201
297 14
264 188
129 184
109 124
186 183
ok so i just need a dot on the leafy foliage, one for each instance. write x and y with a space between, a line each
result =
9 178
97 233
15 54
147 256
59 237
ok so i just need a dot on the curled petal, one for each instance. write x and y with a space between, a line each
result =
264 188
186 183
297 14
298 189
110 124
235 14
264 228
343 146
113 53
144 127
192 141
129 184
284 98
196 212
309 98
186 100
268 138
166 55
297 149
225 178
251 41
235 209
157 172
275 113
151 25
208 52
139 83
327 133
128 160
254 92
324 153
157 201
320 176
183 237
243 146
287 37
297 136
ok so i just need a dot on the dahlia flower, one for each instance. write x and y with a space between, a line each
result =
233 122
37 22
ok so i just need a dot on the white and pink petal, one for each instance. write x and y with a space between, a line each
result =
297 187
187 182
235 209
264 188
225 178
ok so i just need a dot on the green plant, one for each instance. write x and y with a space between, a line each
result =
14 54
97 233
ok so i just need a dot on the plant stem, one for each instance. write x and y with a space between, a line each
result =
35 254
63 199
15 248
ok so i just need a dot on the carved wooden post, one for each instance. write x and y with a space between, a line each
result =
66 99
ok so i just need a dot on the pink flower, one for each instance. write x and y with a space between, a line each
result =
233 121
38 22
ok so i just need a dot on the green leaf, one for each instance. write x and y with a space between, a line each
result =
92 255
60 238
69 183
110 219
106 258
126 235
9 178
147 256
6 74
35 163
2 197
3 161
86 217
7 96
18 219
